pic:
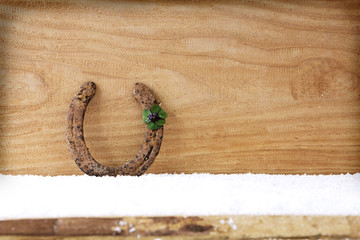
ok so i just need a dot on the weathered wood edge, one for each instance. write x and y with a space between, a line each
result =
214 227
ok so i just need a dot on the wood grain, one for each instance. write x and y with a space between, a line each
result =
210 227
250 86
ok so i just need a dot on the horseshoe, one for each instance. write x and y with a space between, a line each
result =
76 142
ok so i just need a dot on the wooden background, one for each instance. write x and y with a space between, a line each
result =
250 86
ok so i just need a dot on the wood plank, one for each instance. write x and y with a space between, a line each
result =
210 227
254 86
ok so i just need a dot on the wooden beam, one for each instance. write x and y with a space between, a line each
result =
209 227
249 86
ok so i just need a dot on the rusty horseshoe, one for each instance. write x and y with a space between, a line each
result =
147 153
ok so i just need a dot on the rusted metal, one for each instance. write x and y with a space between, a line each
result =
76 142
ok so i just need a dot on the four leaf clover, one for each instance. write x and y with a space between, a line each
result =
155 117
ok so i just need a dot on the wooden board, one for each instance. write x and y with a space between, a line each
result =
250 86
211 227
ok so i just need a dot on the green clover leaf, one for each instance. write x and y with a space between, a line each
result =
162 114
155 117
155 108
146 120
160 122
151 126
146 112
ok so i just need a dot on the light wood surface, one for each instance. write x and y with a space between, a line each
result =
250 86
210 227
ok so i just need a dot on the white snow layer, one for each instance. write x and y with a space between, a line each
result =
181 194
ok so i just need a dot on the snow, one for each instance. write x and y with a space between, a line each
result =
116 229
180 194
232 224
